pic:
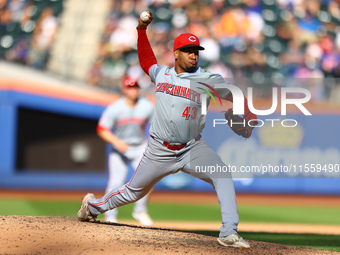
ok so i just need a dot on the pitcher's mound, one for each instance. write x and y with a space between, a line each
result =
66 235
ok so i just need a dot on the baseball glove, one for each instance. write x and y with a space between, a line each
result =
240 125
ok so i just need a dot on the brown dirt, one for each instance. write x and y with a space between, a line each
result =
66 235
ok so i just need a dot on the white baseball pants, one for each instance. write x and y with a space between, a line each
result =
158 161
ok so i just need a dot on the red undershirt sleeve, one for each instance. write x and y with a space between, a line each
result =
101 128
145 54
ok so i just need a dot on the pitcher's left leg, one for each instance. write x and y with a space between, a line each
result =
204 163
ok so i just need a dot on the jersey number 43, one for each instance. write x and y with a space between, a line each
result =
189 113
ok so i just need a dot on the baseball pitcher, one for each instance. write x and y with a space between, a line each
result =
175 135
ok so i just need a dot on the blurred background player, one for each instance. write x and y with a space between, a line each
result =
128 116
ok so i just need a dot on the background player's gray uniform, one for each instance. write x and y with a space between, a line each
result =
129 125
177 120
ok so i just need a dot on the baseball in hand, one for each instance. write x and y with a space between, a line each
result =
144 16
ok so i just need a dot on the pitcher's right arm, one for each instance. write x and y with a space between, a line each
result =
145 54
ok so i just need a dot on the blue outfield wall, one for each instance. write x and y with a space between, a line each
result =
299 151
12 178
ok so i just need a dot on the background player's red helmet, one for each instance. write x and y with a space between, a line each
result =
187 40
130 82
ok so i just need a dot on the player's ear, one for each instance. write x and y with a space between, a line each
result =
176 52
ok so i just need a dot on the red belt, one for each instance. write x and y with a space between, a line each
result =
172 147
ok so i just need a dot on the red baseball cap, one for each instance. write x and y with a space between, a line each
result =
186 41
130 82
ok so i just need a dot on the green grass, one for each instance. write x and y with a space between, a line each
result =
296 214
324 242
185 212
38 208
182 212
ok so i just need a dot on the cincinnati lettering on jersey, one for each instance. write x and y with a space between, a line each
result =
179 91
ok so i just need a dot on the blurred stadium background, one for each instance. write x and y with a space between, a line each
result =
62 62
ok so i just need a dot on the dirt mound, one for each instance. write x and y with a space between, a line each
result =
66 235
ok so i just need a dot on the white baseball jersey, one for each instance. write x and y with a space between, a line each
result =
128 122
178 101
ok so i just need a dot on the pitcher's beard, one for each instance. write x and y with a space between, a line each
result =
191 69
